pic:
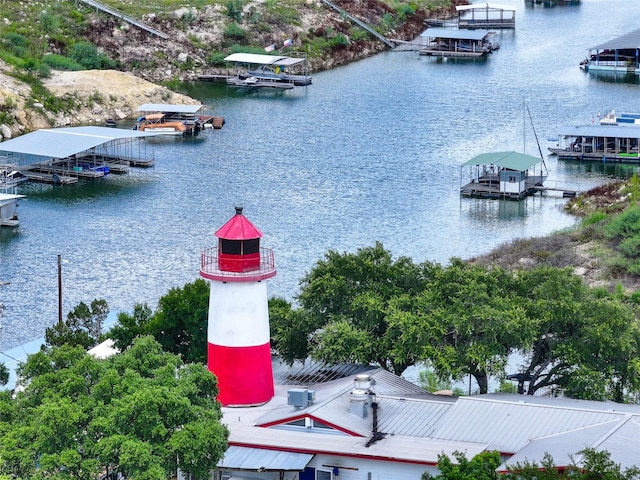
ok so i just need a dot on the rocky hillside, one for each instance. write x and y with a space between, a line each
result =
34 95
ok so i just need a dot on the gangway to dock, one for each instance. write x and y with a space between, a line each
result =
361 24
117 13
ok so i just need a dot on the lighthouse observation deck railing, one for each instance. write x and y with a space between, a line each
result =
236 269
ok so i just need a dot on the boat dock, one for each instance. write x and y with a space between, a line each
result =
69 154
503 175
601 143
461 43
260 71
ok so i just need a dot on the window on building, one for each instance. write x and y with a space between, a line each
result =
324 475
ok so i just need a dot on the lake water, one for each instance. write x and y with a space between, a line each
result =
370 152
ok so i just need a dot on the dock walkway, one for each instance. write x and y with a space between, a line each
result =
117 13
360 23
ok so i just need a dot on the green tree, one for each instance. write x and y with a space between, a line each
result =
130 326
344 300
587 340
79 416
481 467
466 322
83 326
4 374
179 323
591 464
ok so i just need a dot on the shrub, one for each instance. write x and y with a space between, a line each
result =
216 59
60 62
235 32
234 10
48 22
86 54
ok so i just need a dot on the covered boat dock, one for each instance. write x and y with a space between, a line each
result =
483 15
194 117
508 175
457 43
604 143
621 54
63 155
256 70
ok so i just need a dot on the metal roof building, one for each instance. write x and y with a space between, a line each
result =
64 142
629 40
404 433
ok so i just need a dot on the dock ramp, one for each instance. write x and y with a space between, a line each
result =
360 23
117 13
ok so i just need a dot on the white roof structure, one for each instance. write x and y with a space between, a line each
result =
461 34
629 40
413 427
65 142
610 131
261 59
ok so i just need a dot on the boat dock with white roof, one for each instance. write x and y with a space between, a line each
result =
264 71
67 154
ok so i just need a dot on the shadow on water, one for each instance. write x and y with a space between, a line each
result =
614 77
602 169
88 189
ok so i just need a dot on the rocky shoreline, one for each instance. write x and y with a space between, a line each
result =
91 96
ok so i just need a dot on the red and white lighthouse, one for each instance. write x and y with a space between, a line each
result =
238 330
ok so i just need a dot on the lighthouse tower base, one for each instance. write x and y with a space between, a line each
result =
239 351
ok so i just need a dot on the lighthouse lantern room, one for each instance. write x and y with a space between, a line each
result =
239 350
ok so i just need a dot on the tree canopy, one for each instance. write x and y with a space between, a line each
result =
593 464
140 413
179 323
463 319
344 301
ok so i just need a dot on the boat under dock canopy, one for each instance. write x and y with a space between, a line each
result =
62 155
621 54
268 71
456 43
509 175
603 143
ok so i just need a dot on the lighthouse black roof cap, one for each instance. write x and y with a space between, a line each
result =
238 227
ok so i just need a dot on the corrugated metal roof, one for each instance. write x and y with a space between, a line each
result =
564 446
510 160
618 438
261 59
610 131
627 41
453 33
245 458
311 373
508 424
399 404
168 108
396 448
622 443
65 142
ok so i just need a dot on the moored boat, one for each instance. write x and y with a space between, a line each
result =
157 123
8 209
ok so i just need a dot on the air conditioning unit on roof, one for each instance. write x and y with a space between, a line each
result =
300 397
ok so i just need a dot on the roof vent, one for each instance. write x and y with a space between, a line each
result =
363 381
358 403
300 397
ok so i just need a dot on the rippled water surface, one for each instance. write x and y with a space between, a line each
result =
371 151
